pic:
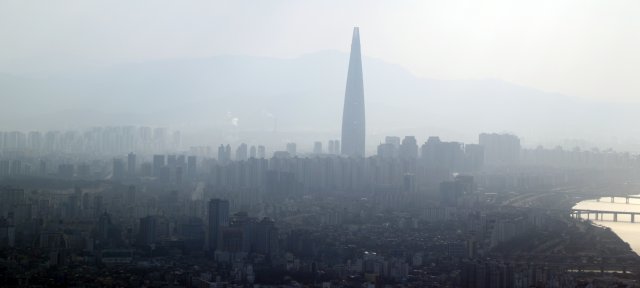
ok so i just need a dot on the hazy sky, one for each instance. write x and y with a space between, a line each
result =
576 47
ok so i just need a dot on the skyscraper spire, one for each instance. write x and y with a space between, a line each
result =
353 120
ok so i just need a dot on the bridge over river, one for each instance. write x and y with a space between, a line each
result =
625 197
600 215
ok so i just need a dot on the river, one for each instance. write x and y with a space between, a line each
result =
629 232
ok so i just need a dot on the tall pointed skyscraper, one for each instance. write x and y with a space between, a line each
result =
353 123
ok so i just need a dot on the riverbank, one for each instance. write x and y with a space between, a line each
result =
623 236
627 231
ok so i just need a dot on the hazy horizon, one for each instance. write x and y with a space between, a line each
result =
212 93
580 48
576 55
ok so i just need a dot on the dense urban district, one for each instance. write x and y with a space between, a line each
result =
128 207
78 212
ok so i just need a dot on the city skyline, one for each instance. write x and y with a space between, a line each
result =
220 144
410 65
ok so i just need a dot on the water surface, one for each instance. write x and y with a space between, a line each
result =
629 232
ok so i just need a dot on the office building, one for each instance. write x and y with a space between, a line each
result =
353 116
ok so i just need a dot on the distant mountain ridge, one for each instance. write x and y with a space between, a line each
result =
304 95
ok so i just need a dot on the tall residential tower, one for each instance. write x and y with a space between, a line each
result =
218 213
353 121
